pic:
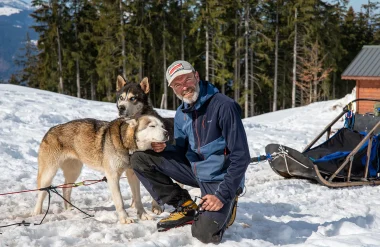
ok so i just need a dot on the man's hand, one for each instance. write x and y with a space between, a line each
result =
158 146
211 203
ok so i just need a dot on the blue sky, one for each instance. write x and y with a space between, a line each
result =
356 4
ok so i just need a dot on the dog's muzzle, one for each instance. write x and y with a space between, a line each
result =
122 111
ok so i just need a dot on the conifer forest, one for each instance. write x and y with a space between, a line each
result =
266 54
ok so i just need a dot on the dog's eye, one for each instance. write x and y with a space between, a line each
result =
121 97
152 126
132 99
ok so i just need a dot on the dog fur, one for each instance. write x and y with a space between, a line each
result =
103 146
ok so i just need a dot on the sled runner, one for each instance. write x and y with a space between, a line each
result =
350 157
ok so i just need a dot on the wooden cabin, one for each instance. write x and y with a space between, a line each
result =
365 70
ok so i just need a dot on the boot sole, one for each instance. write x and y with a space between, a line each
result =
166 229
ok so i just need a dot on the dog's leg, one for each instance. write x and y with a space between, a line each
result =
71 170
46 173
134 183
113 179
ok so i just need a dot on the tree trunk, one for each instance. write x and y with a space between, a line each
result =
207 51
60 88
236 60
283 86
78 77
164 68
310 92
212 61
252 85
294 62
275 64
122 38
246 60
77 59
182 34
333 85
315 78
238 67
108 92
140 48
92 89
140 56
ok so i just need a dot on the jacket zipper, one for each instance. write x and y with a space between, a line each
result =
199 142
196 131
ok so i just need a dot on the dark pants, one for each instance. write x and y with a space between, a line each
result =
156 171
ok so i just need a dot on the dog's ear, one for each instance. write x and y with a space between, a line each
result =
120 83
145 85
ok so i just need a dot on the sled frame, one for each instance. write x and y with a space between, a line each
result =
328 181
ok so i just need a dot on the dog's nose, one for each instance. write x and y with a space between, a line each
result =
122 111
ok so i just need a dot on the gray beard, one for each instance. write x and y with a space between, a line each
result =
193 99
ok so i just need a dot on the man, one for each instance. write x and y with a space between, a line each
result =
211 152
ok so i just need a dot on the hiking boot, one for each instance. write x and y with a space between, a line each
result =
233 213
183 215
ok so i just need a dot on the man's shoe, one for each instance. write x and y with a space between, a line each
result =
183 215
233 213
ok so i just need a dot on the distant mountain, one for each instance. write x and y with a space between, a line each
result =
14 25
16 4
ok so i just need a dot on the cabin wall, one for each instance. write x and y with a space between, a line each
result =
367 89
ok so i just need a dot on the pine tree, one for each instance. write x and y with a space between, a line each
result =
27 61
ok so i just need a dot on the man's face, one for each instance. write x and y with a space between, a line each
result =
186 87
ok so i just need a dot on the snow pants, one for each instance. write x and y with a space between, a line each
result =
156 171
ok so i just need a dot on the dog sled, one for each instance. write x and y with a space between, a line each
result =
350 157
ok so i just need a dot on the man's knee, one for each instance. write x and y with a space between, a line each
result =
207 230
139 160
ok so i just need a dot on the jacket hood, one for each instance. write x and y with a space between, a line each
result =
206 91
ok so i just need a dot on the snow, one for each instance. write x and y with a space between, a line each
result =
9 11
274 211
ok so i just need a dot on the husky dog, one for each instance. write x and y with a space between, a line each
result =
103 146
133 101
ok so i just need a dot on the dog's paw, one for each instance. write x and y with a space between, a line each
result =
157 209
34 213
145 216
127 221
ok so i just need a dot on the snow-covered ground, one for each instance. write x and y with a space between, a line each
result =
273 211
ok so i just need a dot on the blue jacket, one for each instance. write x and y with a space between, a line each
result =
212 135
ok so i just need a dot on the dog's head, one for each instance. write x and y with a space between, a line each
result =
131 98
148 129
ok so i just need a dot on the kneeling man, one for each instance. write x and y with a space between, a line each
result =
210 152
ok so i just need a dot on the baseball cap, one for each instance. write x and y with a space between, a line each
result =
178 68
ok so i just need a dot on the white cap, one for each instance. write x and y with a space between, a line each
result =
178 68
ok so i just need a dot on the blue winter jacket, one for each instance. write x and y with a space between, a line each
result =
212 135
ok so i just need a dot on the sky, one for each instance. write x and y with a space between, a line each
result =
273 212
356 4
